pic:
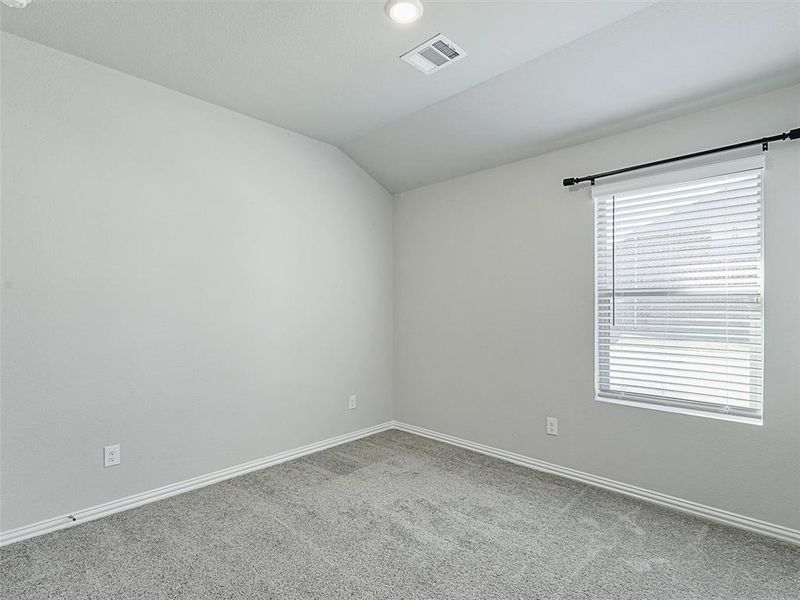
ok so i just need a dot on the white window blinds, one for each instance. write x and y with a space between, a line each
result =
679 319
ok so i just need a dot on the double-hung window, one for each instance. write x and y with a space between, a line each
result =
679 291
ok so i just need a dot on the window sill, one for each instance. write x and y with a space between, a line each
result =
683 411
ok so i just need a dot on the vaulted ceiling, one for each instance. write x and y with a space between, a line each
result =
538 75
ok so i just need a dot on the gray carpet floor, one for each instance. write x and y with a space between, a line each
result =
400 516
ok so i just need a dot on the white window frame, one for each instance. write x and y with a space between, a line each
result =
673 177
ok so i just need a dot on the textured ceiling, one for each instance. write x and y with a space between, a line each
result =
539 75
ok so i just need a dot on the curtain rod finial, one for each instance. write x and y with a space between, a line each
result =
569 181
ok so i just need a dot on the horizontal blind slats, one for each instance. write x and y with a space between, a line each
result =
731 224
678 284
696 187
741 383
672 365
749 411
674 248
678 260
654 351
720 204
684 394
712 218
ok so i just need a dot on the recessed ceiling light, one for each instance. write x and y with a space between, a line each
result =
16 3
404 11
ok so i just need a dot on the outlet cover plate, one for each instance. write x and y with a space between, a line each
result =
552 426
111 455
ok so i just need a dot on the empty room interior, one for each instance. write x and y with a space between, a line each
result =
417 299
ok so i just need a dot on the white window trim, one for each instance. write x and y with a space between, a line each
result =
670 177
721 416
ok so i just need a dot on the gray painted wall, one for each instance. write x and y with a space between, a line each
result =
207 289
199 286
494 321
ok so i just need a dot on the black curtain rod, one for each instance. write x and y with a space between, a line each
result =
791 135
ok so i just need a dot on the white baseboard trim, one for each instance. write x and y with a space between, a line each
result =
115 506
779 532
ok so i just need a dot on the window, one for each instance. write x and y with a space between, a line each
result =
679 291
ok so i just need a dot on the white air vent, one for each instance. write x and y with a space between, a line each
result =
435 54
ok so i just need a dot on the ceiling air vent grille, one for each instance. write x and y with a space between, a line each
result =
435 54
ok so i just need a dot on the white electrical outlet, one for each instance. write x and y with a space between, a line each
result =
111 455
552 426
352 402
